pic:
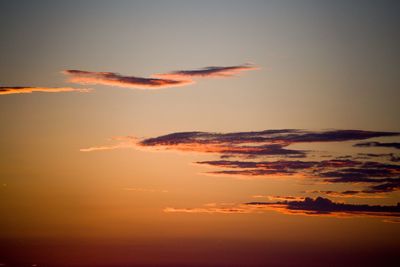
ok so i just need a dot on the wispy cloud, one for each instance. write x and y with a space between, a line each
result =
225 210
4 90
349 194
307 206
211 72
324 206
278 198
156 81
379 144
115 79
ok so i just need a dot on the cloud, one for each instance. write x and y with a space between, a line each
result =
225 210
254 144
389 185
349 194
208 72
299 206
270 154
278 198
156 81
390 156
268 142
283 137
332 171
324 206
115 79
4 90
392 220
378 144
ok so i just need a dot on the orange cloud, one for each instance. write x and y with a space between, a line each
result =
157 81
27 90
115 79
350 194
305 207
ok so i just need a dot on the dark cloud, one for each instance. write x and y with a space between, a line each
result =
326 206
284 137
209 72
269 154
259 168
336 136
389 185
272 165
298 206
378 177
367 172
379 144
4 90
261 143
390 156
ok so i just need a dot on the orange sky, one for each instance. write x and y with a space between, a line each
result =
99 169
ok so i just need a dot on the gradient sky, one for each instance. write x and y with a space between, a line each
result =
316 66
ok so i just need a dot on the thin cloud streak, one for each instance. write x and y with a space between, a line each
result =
323 206
378 144
156 81
307 207
350 194
208 72
115 79
4 90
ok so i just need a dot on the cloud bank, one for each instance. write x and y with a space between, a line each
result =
271 154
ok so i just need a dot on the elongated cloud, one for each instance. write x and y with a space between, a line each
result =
307 206
115 79
379 177
211 72
156 81
349 194
379 144
321 206
224 210
27 90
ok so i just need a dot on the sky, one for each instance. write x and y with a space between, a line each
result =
199 133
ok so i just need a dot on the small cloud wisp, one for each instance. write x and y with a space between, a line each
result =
4 90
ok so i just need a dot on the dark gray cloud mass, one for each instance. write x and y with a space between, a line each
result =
322 205
212 71
379 144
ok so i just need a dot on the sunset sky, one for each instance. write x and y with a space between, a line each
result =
199 133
